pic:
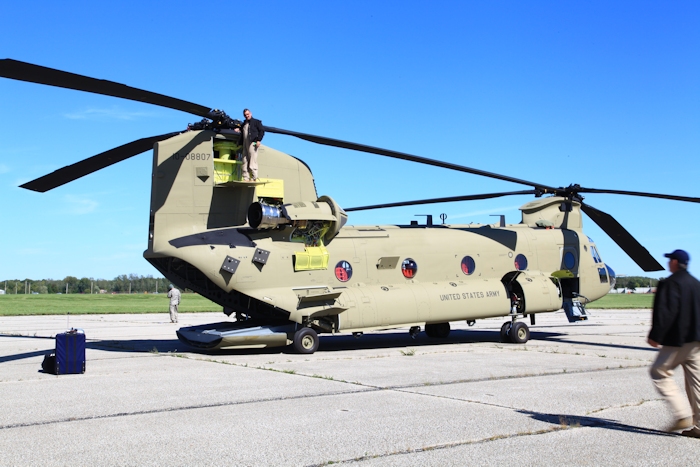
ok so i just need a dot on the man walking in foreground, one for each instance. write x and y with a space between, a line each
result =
676 328
174 296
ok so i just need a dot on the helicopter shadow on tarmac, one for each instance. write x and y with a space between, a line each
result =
401 340
385 340
328 343
578 421
138 345
20 356
561 338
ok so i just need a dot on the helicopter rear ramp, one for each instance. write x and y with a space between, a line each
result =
226 335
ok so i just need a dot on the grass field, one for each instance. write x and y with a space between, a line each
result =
18 305
620 301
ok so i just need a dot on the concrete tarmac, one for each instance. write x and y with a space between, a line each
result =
576 394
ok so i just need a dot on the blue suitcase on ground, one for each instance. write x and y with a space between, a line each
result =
70 353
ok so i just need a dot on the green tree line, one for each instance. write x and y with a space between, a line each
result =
121 284
632 282
148 284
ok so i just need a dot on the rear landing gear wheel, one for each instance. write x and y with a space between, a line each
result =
438 330
442 330
306 341
505 337
519 333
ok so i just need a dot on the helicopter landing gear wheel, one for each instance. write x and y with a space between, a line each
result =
438 331
505 332
306 341
519 333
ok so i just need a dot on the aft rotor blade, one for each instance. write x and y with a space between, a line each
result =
443 200
93 164
407 157
23 71
623 238
689 199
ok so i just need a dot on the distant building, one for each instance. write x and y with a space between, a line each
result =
2 292
624 290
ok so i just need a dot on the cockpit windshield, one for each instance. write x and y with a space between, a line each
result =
594 252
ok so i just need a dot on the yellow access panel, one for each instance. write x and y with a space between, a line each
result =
313 257
271 188
226 171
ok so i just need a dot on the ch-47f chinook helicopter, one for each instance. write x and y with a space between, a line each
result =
282 261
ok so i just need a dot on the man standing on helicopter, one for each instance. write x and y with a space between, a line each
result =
252 135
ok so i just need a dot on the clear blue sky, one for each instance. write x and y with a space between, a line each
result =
601 93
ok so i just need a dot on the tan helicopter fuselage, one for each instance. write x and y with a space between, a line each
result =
350 278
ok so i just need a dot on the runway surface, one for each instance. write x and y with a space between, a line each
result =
576 394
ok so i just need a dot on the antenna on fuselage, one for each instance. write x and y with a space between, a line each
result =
428 219
503 219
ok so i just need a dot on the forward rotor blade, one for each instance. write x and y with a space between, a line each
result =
689 199
22 71
407 157
442 200
623 238
93 164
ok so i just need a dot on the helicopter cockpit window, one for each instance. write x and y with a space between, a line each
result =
343 271
520 262
409 268
468 265
596 256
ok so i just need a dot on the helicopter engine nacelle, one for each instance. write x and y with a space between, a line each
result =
323 213
266 216
535 292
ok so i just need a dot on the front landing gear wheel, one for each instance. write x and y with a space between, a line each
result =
519 333
306 341
505 337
